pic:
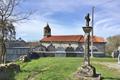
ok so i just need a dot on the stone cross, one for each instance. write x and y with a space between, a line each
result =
87 41
87 17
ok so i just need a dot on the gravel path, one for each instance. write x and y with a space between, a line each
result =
111 65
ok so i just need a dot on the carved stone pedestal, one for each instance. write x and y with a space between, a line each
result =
87 72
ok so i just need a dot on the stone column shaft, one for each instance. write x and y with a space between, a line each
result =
86 52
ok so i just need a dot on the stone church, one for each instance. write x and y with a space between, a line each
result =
68 45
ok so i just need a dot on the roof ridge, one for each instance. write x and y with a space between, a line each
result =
80 38
66 35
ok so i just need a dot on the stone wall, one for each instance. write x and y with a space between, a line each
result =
99 46
15 52
68 48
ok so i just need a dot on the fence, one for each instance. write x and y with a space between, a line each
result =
67 54
13 57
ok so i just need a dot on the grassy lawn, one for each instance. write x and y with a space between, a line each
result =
56 68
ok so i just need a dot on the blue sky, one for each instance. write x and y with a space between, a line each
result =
66 17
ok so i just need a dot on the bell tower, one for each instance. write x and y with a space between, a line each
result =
47 31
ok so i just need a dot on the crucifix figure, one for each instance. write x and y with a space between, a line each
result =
87 17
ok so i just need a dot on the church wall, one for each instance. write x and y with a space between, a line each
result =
100 47
61 48
63 44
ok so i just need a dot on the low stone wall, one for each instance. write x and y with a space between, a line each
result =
66 54
8 70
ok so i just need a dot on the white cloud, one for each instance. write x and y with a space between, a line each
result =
107 17
33 29
30 30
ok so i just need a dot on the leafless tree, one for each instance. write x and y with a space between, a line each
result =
113 43
9 15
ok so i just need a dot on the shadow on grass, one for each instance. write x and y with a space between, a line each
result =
110 78
25 71
33 73
12 76
8 75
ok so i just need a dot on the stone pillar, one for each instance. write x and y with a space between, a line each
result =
87 71
86 51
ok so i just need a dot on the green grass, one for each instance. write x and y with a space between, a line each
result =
56 68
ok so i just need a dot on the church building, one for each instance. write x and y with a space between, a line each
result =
68 45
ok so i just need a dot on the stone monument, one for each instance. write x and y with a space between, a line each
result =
119 58
87 71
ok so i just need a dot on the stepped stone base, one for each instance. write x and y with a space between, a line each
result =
87 72
97 77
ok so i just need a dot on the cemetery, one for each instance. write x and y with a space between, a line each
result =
57 68
37 66
84 56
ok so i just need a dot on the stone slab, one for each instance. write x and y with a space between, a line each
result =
79 77
98 77
86 73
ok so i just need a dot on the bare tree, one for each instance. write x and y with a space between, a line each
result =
113 43
8 15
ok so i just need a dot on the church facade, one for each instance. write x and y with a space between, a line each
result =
68 45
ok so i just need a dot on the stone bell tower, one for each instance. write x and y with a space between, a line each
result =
47 31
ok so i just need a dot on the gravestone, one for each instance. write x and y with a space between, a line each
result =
119 55
79 49
70 51
60 52
51 49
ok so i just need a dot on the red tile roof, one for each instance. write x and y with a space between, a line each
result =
70 38
98 39
32 43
